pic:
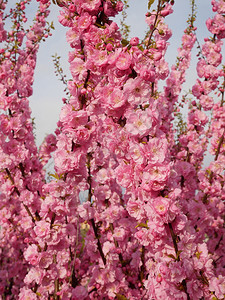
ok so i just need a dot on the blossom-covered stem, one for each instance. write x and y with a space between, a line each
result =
12 180
29 212
73 280
115 131
98 241
193 13
143 268
56 283
116 244
18 193
155 22
52 220
221 140
95 229
89 179
174 238
222 92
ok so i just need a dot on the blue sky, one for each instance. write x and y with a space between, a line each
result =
48 90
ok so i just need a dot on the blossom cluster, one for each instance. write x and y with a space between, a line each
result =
152 222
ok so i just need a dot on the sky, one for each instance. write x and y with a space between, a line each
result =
46 101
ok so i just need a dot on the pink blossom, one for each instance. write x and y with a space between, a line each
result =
156 150
45 260
194 289
166 10
86 211
109 9
99 58
31 254
116 98
42 229
206 102
217 285
119 234
91 5
136 153
108 247
124 174
123 61
27 294
34 275
136 91
161 205
84 21
138 123
134 41
78 68
72 37
135 208
216 25
155 177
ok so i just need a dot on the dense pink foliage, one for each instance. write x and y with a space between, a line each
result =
152 223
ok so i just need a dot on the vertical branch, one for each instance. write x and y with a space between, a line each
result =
123 263
18 193
222 90
89 180
73 279
155 22
143 268
174 238
125 29
221 140
56 283
98 241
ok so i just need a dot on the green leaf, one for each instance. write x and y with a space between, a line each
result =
198 254
124 42
178 253
56 176
150 2
38 294
171 256
142 225
121 297
52 25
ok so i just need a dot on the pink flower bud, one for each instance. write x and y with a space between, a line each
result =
109 47
165 12
119 6
134 41
72 8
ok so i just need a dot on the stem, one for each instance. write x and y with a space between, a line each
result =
221 140
29 212
142 272
174 238
219 146
223 87
154 25
117 245
98 241
56 297
89 157
73 279
52 220
18 193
